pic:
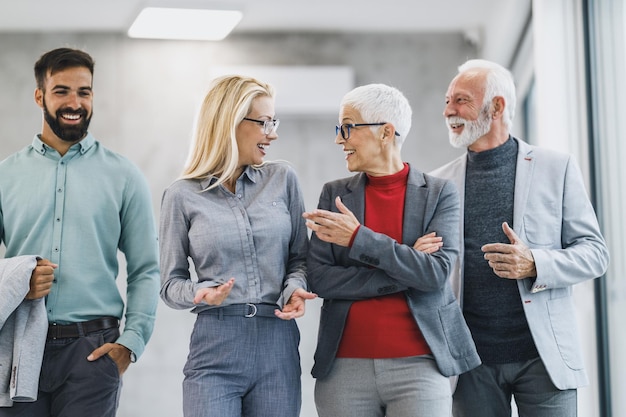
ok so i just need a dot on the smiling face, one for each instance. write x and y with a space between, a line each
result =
467 118
364 149
252 143
67 102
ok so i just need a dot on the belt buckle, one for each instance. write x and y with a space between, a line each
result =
252 310
55 332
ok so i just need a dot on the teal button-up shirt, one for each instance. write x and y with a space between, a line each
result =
77 210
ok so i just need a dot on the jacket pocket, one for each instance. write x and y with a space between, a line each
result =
562 319
542 224
455 330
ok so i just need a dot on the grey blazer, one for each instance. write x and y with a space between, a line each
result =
377 265
554 217
23 329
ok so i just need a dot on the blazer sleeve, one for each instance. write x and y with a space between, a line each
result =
582 253
376 264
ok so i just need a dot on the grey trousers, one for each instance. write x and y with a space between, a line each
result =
486 391
242 367
395 387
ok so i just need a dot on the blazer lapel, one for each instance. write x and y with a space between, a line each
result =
414 207
354 198
523 175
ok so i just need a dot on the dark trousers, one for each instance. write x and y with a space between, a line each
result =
70 385
486 391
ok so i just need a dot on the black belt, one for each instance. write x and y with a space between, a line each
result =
65 331
244 310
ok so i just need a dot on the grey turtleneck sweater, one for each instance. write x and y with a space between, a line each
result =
491 304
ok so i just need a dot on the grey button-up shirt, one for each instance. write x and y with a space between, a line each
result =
256 235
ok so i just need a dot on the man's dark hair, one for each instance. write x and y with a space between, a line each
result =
60 59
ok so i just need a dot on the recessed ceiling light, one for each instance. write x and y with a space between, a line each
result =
184 24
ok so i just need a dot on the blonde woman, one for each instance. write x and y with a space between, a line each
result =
239 219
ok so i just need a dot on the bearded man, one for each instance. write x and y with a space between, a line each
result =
73 203
528 234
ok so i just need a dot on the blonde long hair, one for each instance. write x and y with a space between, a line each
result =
214 150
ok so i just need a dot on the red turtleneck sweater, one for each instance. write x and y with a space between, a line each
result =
383 327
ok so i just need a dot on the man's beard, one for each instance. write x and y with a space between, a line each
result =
472 130
71 133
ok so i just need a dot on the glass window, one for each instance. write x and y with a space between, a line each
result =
606 49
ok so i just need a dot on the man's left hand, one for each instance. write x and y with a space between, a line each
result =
512 261
119 353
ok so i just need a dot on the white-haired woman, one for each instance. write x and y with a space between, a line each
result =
391 331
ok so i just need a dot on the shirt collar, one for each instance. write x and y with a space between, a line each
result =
83 146
250 172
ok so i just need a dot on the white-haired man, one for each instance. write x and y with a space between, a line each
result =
529 233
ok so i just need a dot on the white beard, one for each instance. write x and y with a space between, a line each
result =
473 130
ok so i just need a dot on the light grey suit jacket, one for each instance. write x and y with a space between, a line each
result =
554 217
377 265
23 329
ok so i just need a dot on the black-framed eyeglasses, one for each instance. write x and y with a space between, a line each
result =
345 128
269 126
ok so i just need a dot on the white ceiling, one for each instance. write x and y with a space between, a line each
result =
467 16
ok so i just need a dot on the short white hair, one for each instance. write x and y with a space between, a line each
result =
382 103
